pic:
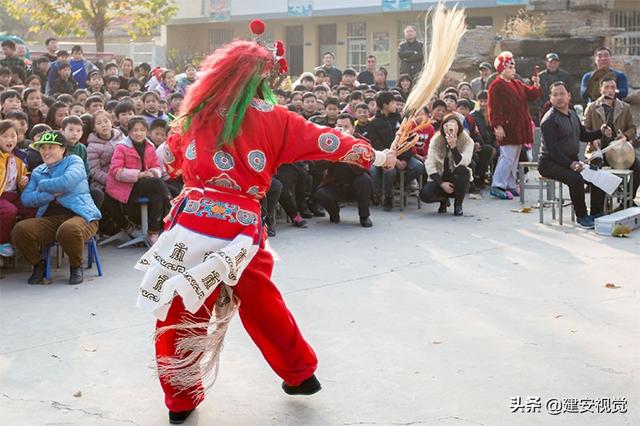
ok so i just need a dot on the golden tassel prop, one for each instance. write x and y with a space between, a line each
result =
447 28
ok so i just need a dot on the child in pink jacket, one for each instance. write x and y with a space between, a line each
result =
135 172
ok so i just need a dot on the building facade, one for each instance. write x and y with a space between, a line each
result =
351 29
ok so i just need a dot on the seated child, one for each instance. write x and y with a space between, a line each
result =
135 172
13 179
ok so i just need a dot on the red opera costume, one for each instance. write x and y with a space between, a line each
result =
213 257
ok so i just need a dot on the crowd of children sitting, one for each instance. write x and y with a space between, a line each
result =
112 119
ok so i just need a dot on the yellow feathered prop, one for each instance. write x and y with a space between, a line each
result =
447 29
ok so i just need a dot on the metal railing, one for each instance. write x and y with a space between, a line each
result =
626 44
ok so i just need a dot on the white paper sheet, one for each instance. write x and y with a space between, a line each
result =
604 180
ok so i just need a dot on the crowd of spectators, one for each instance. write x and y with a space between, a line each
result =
79 143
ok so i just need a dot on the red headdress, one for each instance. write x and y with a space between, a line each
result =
231 77
502 60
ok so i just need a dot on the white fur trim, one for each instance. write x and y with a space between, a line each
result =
381 157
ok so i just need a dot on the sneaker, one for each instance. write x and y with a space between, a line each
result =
597 215
6 250
305 213
443 206
586 222
514 192
298 221
499 193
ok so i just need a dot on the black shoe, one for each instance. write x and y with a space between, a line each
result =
334 218
270 231
308 387
318 211
179 417
37 276
306 214
457 209
76 275
443 206
388 204
365 222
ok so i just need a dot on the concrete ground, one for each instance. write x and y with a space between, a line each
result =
424 319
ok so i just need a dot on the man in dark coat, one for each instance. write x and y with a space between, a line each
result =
411 53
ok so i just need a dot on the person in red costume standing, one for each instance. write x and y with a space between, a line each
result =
509 116
213 258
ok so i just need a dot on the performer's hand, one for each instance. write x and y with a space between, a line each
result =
476 147
24 180
447 187
390 161
576 166
401 165
499 132
596 144
621 135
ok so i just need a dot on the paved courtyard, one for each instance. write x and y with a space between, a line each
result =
423 319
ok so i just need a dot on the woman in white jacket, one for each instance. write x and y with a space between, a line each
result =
447 165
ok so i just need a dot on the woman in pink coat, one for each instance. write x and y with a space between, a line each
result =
135 173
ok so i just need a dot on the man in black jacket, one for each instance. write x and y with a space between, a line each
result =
344 181
411 53
382 132
562 133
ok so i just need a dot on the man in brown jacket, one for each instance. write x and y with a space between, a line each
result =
617 115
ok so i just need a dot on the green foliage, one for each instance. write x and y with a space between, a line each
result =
76 17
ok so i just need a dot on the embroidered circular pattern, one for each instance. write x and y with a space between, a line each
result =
262 105
167 155
190 153
246 217
257 160
328 142
223 161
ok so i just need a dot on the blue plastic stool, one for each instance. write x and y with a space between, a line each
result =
92 256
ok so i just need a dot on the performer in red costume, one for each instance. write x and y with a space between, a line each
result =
213 257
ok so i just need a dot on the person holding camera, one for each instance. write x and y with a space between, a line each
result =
447 164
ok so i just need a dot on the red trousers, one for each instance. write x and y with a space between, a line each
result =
10 209
265 317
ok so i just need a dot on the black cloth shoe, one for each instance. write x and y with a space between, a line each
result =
334 218
457 209
308 387
75 275
388 204
179 417
37 276
365 222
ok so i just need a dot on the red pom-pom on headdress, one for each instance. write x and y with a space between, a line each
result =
257 27
284 65
502 60
279 45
